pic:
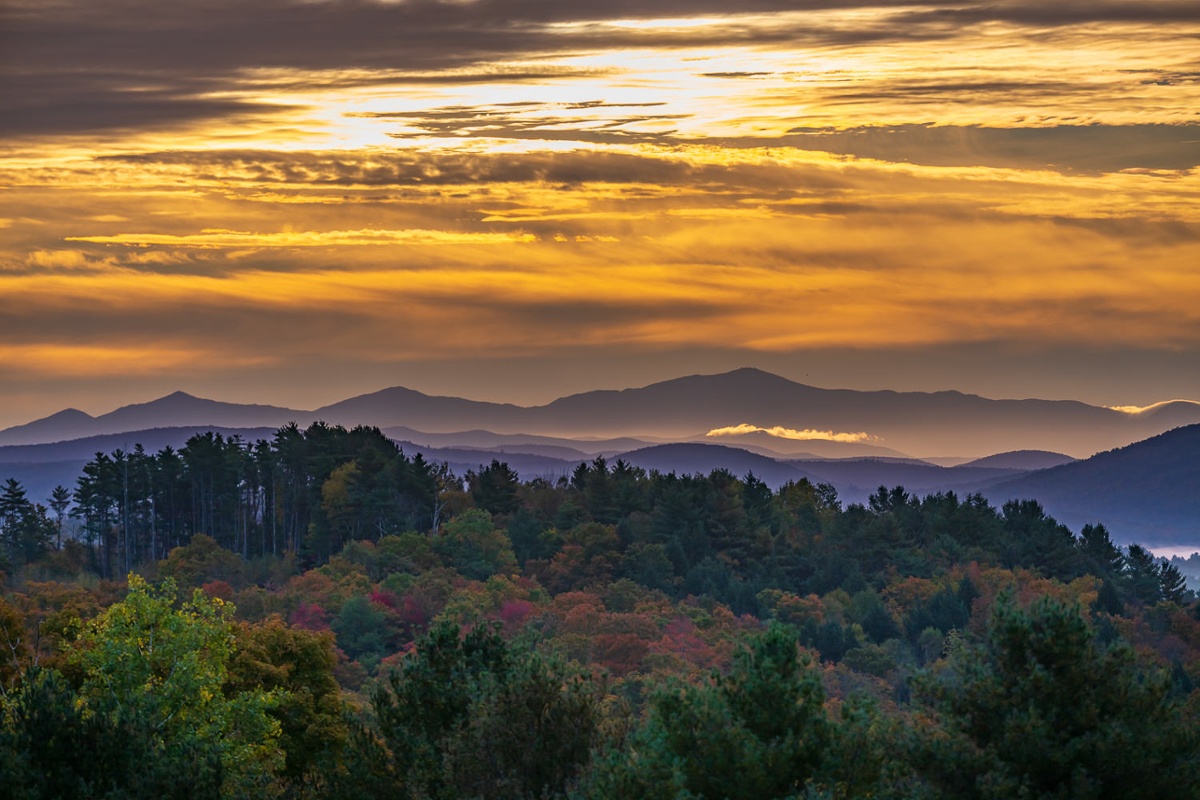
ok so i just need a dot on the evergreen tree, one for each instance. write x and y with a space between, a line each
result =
1041 709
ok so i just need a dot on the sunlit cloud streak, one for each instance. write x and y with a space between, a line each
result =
805 435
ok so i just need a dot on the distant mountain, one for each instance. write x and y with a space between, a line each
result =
518 442
152 440
1022 460
173 411
897 422
1148 492
911 422
409 408
70 423
1171 412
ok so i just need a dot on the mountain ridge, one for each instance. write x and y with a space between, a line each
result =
903 422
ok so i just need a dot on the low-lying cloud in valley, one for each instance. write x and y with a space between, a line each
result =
790 433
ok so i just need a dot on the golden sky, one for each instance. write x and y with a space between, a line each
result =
295 201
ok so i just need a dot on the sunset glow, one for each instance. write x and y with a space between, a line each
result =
233 197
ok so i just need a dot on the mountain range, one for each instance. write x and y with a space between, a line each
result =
931 424
1143 489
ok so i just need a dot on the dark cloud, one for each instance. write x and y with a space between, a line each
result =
735 74
1071 12
1069 148
67 104
406 168
78 65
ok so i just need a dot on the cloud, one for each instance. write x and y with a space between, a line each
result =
146 65
366 237
1066 148
1138 410
789 433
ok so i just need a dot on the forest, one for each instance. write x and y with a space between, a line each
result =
320 616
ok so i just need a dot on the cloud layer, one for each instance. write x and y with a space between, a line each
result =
241 193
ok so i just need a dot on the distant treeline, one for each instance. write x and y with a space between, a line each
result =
310 492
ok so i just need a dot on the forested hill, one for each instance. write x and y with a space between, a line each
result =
310 492
1150 487
320 615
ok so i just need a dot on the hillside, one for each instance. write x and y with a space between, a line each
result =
1149 490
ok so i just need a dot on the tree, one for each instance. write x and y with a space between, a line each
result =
296 666
1104 557
1141 575
56 744
1040 708
361 630
1171 582
25 529
761 732
60 501
494 488
468 715
167 666
475 547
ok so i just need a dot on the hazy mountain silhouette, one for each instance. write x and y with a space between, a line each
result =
152 440
919 423
178 409
1021 460
1148 492
518 442
70 423
406 407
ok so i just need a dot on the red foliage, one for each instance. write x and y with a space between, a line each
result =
620 653
415 612
218 588
514 613
310 617
382 597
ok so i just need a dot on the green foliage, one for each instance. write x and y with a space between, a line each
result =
475 547
1041 709
199 561
761 732
25 530
296 668
470 716
361 631
494 488
167 665
57 744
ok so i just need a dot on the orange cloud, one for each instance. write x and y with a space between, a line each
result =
805 435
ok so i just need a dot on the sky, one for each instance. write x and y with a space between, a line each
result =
297 201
